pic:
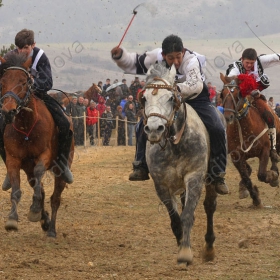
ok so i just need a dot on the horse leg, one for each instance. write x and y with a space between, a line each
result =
193 192
183 199
245 179
243 192
35 212
171 207
55 203
45 220
208 252
264 175
274 168
14 175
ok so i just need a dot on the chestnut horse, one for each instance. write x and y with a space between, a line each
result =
247 138
92 93
31 142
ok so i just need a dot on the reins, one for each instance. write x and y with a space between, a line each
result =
28 133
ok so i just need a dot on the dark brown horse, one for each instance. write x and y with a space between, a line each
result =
247 138
31 142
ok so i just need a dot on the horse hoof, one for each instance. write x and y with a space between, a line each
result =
256 205
243 191
11 225
208 254
185 256
51 234
45 225
274 183
34 217
243 194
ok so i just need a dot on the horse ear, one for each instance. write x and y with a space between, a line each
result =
27 63
223 78
173 73
150 69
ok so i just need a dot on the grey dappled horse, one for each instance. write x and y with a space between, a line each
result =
177 156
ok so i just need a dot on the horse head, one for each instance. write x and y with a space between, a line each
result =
15 84
93 93
159 100
234 100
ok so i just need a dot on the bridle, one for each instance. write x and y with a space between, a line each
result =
21 102
173 116
239 114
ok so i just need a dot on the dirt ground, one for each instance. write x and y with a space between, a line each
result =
111 228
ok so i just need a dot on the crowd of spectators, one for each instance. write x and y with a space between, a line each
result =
116 99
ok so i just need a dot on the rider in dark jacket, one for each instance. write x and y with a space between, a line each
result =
41 75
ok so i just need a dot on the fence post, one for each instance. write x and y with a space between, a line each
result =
85 130
98 132
125 126
117 130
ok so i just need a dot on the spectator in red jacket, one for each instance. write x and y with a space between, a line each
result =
91 120
212 93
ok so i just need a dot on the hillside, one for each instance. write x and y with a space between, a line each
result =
77 65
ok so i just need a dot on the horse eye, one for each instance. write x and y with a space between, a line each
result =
171 98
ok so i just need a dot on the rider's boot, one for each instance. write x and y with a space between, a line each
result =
140 172
273 153
220 185
140 168
64 147
217 174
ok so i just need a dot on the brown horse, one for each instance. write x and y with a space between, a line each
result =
92 93
31 142
247 138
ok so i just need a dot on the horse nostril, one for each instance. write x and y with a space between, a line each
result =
147 129
160 128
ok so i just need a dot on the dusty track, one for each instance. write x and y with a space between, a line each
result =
111 228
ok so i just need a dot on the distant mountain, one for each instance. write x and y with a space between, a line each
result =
209 27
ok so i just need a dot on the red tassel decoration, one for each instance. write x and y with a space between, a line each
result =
247 84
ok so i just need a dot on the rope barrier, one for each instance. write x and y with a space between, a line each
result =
84 117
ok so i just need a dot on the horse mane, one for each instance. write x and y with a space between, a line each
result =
13 59
159 69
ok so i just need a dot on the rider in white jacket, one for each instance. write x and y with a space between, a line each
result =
190 83
252 64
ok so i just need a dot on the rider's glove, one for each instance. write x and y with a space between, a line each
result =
255 93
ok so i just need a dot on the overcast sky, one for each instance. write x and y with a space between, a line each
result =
64 21
106 20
